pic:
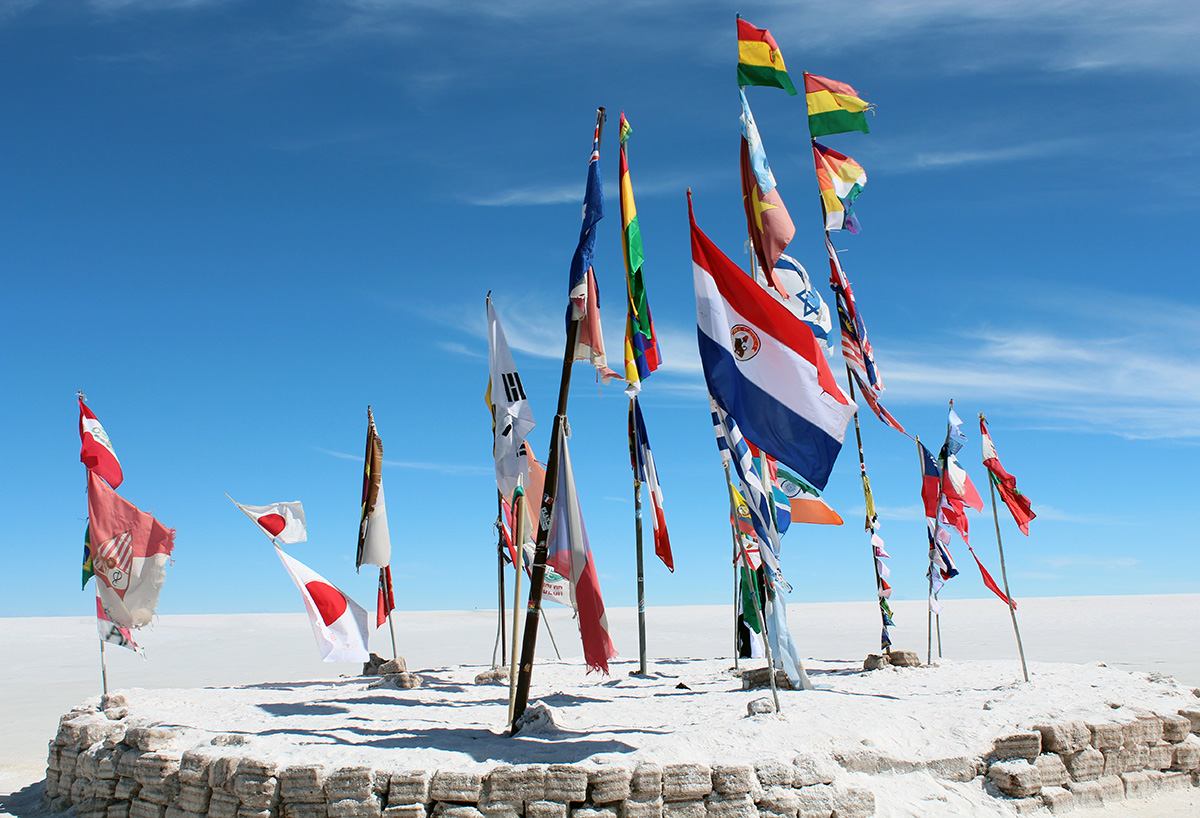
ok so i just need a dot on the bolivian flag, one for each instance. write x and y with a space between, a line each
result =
840 180
641 344
759 60
833 107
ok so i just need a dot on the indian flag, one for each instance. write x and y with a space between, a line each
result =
840 180
833 107
759 60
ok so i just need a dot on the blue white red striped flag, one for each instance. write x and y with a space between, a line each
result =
644 472
764 367
729 438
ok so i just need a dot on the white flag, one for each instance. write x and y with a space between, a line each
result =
512 419
111 632
284 522
338 622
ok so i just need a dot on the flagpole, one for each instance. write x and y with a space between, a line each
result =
518 538
862 465
103 668
737 579
500 638
932 568
1012 608
937 617
641 579
538 577
762 616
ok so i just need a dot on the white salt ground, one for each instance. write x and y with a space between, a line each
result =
1088 657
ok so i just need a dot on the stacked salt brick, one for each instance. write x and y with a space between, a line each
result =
1072 764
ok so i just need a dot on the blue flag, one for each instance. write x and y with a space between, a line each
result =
593 212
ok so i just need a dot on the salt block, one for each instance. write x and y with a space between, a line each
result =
1105 735
500 809
758 707
1087 793
812 768
1051 770
85 729
221 805
1015 777
146 809
113 700
780 800
1192 715
1187 756
686 781
1133 733
1025 745
179 812
408 787
739 805
646 782
451 785
350 808
1085 765
904 658
116 713
635 808
228 740
774 773
258 792
875 661
753 678
456 811
349 784
852 802
496 675
1139 757
149 738
397 665
1058 799
127 789
733 779
1064 736
1117 761
1161 756
546 809
1176 728
1112 788
1138 785
194 764
220 772
1026 806
194 797
608 783
404 811
686 808
1152 728
303 783
815 801
592 811
565 783
310 809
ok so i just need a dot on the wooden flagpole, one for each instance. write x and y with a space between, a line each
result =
519 537
862 466
103 668
1012 609
500 638
637 517
538 577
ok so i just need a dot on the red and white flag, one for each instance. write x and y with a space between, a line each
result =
338 622
96 451
283 522
385 601
113 633
644 472
131 553
1005 483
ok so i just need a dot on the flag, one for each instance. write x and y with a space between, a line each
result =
839 179
644 472
96 451
759 60
113 633
88 570
856 348
752 493
767 220
512 417
338 622
802 298
582 287
833 107
130 556
764 367
875 406
783 647
283 522
385 601
931 480
570 555
989 582
641 345
1004 482
374 545
806 503
782 508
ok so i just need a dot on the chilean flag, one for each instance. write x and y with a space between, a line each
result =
338 622
764 366
96 451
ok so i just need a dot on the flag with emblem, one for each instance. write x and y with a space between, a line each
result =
96 451
802 299
759 60
131 551
512 417
1018 504
764 367
338 622
374 544
807 505
767 219
833 107
641 344
283 522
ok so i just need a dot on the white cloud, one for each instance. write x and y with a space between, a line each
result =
542 195
1070 561
443 468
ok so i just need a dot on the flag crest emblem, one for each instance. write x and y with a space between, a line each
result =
745 342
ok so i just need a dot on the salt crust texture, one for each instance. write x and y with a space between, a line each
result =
322 749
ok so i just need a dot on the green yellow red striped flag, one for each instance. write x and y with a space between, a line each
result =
759 60
833 107
641 345
840 180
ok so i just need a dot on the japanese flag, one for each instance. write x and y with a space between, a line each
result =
283 522
338 622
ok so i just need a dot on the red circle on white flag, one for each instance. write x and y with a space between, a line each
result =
329 600
273 523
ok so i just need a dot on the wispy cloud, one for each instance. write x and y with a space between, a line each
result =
541 195
443 468
1084 561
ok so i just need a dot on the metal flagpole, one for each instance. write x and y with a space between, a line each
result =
637 515
932 567
862 466
945 465
1012 609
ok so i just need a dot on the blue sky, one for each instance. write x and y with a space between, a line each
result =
233 225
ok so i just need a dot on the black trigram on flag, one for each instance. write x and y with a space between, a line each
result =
513 391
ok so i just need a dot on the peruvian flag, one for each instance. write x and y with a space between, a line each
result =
283 522
338 622
96 451
1005 483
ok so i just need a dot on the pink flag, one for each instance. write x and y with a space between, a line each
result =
589 344
338 622
96 451
132 550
